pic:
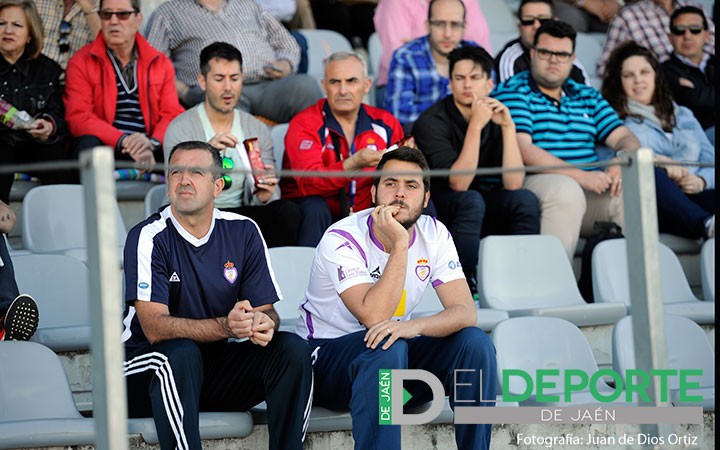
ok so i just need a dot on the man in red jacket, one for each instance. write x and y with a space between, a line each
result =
120 91
339 133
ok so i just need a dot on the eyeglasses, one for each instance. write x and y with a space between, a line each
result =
528 21
64 39
443 24
679 30
227 164
545 55
121 15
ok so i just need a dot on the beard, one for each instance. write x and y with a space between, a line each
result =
413 214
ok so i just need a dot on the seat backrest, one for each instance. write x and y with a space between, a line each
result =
277 133
33 384
374 53
707 270
59 285
54 219
532 343
321 44
530 271
588 49
499 16
688 347
155 198
292 267
611 280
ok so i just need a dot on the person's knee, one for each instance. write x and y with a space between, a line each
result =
84 142
563 192
315 208
292 348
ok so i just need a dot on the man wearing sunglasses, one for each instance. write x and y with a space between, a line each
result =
647 23
120 91
515 56
690 69
559 123
218 122
69 25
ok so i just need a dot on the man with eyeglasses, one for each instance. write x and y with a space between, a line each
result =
69 25
218 122
690 70
120 91
647 23
515 56
418 75
559 123
201 333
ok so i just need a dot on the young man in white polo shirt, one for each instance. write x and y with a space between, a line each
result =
369 273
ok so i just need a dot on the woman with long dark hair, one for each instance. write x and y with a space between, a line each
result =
635 86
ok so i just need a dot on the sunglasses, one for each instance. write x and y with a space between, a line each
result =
64 39
121 15
679 30
527 21
227 164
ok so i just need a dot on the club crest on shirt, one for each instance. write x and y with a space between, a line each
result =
306 144
422 269
230 272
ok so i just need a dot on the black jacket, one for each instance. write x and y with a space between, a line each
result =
33 85
700 98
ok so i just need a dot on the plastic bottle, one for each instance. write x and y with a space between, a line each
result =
14 118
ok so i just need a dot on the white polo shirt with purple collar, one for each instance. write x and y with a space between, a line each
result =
349 254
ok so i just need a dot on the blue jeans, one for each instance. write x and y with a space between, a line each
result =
679 213
346 376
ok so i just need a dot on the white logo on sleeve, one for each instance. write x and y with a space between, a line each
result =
174 278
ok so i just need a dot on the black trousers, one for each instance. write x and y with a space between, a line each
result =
184 378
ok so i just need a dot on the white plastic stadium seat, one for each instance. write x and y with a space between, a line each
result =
53 221
611 281
277 133
155 198
321 44
59 285
687 348
707 270
292 266
533 343
530 275
213 425
36 404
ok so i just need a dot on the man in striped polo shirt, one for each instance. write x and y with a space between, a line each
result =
559 122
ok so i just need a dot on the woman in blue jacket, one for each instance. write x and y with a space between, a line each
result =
635 86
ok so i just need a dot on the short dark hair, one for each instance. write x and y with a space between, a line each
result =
134 4
478 55
688 9
557 29
200 145
220 50
407 154
525 2
432 2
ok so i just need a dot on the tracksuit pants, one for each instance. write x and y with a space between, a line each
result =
346 376
172 381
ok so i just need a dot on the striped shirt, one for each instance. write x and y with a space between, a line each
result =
414 83
648 24
182 28
569 128
128 115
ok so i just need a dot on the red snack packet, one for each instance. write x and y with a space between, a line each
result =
253 151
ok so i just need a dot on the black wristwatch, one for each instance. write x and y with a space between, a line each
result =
155 143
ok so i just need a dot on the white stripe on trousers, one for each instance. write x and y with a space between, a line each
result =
159 363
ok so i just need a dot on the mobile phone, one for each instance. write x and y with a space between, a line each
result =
256 164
